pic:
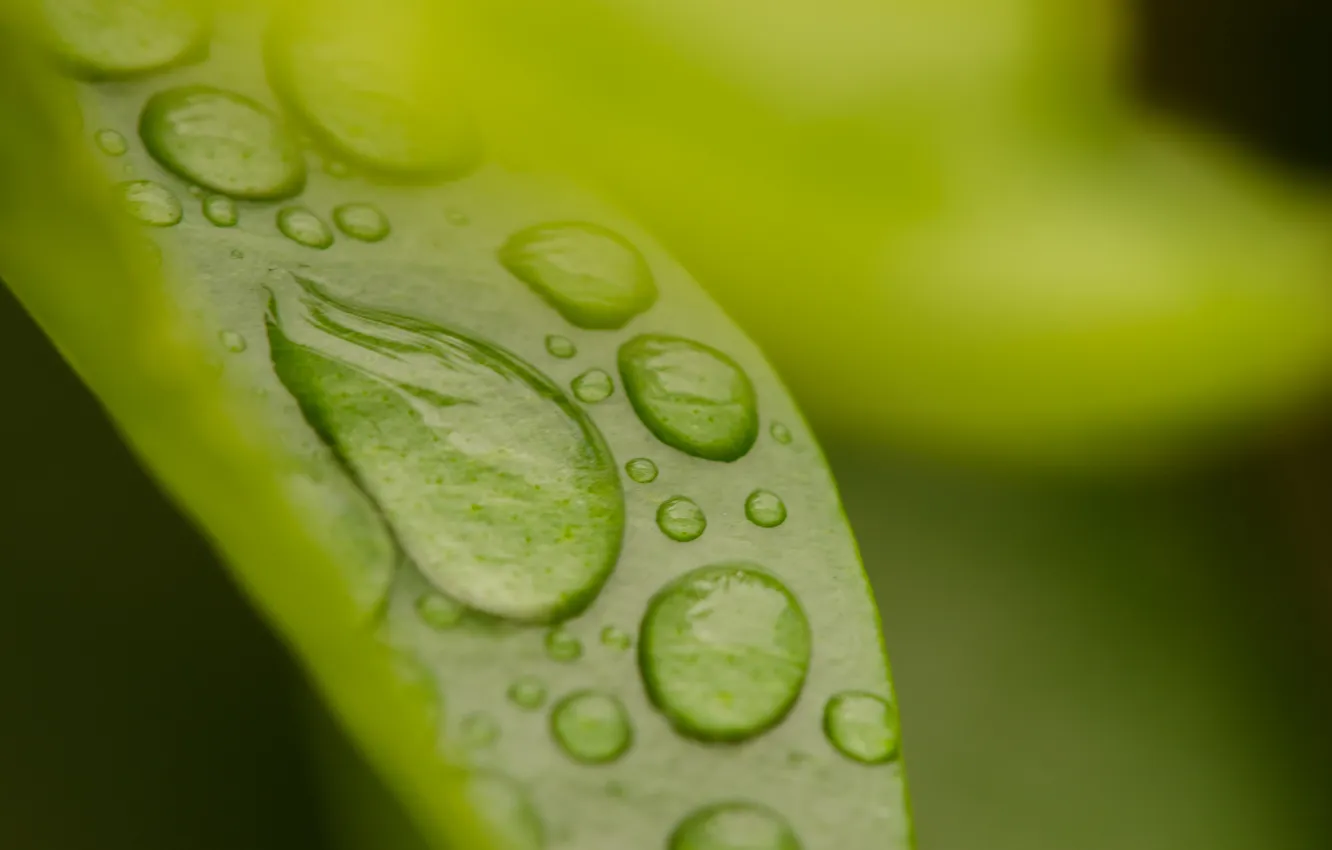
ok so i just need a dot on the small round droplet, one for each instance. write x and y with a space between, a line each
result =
781 433
765 509
232 341
439 612
337 168
457 218
724 651
561 347
528 693
151 203
221 210
110 142
563 646
591 727
237 254
593 386
679 518
641 470
224 142
304 228
362 221
196 191
734 826
103 39
862 726
479 730
616 638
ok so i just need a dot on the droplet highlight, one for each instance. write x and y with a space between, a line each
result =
680 519
724 651
561 347
220 211
862 726
562 646
591 727
593 386
528 693
439 612
232 341
106 39
781 433
641 470
765 509
690 396
364 222
151 203
304 228
224 142
593 276
734 826
110 142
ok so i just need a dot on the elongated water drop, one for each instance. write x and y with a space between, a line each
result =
499 487
151 203
304 228
862 727
591 275
110 142
765 509
734 826
221 211
724 651
561 347
691 396
364 222
641 470
680 519
122 38
593 386
591 727
439 612
562 646
224 142
528 693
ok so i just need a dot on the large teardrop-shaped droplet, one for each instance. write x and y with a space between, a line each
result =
691 396
724 651
100 39
498 486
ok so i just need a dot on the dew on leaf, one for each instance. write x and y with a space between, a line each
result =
223 141
765 509
680 519
591 727
781 433
862 726
104 39
562 646
232 341
221 211
733 826
110 142
439 612
593 386
528 693
151 203
364 222
304 228
641 470
337 168
479 730
691 396
724 651
592 276
616 638
561 347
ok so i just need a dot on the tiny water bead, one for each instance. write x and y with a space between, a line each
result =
781 433
528 693
591 727
151 203
224 142
221 210
765 509
561 347
591 275
304 228
680 519
110 142
862 726
734 826
616 638
439 612
724 651
102 39
691 396
337 168
232 341
641 470
479 730
563 646
593 386
364 222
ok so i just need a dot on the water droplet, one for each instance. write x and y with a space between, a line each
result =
528 693
862 726
337 168
361 221
561 347
679 518
304 227
99 39
457 219
110 142
616 638
765 509
691 396
507 811
479 730
734 826
561 645
781 433
196 191
224 142
221 210
592 276
232 341
237 254
499 488
439 612
724 651
593 386
151 203
641 470
591 727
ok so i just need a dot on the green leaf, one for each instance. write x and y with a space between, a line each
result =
430 500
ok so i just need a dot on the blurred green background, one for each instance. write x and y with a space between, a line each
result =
1085 664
